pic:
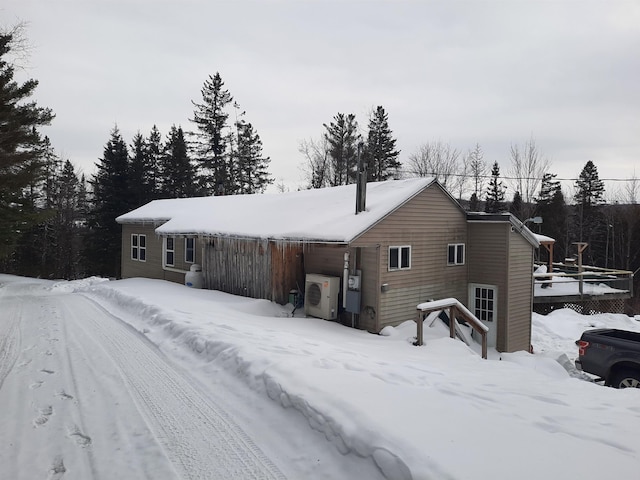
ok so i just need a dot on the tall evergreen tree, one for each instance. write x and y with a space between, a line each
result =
551 206
343 137
69 231
516 206
210 118
20 147
251 166
591 226
495 193
139 172
178 174
111 198
380 152
153 156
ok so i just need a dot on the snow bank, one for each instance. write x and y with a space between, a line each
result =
438 411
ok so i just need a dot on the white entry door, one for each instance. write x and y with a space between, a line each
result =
483 303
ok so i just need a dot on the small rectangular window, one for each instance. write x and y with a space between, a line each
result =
455 254
399 258
189 250
169 251
138 247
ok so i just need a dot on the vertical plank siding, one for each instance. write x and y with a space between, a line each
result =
428 223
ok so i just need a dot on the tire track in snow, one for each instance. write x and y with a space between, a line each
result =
200 439
9 341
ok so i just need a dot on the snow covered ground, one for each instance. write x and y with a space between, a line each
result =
319 400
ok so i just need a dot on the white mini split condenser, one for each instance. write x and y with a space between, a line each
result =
321 296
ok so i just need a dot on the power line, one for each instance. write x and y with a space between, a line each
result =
436 174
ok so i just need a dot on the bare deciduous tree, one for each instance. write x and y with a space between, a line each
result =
477 168
440 160
528 166
317 167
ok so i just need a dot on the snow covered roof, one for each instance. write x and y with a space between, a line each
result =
324 215
544 238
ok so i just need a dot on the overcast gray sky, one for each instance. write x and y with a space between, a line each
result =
566 73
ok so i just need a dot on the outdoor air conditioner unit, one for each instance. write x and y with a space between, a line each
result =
321 296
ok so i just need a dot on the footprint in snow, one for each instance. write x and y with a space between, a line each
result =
45 413
80 438
35 385
63 395
57 470
49 372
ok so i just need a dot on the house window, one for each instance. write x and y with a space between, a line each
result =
189 250
484 303
169 251
138 247
455 254
399 258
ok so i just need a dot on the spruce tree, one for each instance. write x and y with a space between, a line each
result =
380 153
551 206
178 174
111 198
495 192
139 172
342 135
20 147
516 206
210 118
250 169
69 230
591 227
153 156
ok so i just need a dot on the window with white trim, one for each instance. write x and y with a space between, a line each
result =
400 258
484 302
138 247
455 254
189 250
169 251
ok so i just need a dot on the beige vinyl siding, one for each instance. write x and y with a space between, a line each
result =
488 256
370 289
428 223
520 296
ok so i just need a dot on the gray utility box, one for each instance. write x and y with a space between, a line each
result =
353 301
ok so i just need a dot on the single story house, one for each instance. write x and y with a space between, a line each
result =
412 243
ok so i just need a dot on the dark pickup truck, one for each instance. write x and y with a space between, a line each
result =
612 355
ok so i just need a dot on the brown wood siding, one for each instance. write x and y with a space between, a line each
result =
324 259
520 298
287 270
238 266
488 257
427 223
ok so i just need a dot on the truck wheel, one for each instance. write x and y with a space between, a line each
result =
626 379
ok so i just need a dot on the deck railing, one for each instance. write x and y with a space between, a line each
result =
609 281
456 309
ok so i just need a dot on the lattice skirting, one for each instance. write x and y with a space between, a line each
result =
587 307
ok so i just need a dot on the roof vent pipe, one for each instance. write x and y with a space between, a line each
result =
361 182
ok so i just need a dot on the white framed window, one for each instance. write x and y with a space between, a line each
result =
189 250
400 258
169 251
484 302
455 254
138 247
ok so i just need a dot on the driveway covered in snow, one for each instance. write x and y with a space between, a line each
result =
83 395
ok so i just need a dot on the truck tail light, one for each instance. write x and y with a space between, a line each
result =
582 347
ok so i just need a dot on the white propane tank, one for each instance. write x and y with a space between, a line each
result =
194 278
